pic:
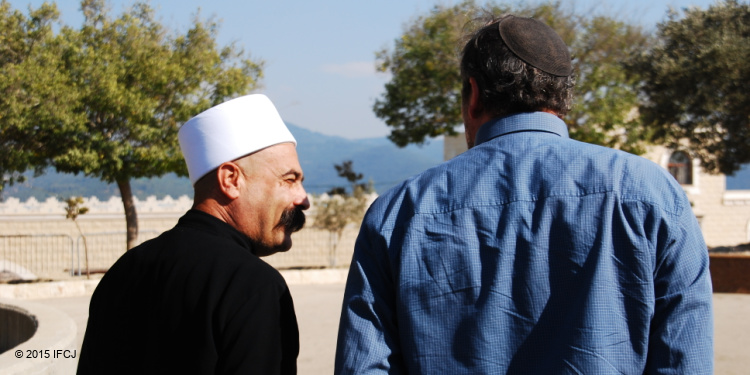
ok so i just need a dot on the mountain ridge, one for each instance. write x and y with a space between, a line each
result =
377 159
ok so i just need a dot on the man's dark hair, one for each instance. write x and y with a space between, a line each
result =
506 83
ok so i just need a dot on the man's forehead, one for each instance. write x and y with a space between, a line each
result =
282 156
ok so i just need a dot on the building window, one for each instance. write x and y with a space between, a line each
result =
681 167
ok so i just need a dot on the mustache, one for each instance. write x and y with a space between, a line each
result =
292 219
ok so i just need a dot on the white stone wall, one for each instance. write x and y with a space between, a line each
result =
104 229
48 217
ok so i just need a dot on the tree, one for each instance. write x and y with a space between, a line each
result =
73 209
606 96
335 212
34 90
696 82
423 97
133 84
346 171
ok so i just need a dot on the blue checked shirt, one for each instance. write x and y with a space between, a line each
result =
531 253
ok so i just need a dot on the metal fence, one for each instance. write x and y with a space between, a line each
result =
31 256
314 248
101 250
58 255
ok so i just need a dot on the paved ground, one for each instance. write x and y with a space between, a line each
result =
318 308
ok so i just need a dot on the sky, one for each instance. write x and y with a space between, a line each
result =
320 55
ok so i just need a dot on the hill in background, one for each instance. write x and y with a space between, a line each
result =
378 159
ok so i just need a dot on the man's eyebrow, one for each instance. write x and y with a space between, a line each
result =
297 174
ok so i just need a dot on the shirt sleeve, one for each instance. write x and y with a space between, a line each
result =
681 334
368 340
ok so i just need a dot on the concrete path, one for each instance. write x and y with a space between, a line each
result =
731 334
318 308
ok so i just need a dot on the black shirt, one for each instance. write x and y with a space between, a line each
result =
194 300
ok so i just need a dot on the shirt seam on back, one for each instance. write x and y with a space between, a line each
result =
622 198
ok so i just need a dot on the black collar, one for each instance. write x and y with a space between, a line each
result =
199 220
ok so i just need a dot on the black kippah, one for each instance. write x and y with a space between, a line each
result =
536 44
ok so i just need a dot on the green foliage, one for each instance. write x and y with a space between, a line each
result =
423 98
74 208
343 208
34 90
697 84
340 209
107 100
136 85
335 214
604 111
346 171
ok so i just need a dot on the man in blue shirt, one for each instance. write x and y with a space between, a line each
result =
530 253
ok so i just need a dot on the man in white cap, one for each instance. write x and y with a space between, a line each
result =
198 299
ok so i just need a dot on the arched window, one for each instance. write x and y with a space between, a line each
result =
681 167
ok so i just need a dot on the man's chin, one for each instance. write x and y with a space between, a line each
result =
264 251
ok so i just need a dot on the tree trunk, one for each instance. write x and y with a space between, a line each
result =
131 217
335 239
85 249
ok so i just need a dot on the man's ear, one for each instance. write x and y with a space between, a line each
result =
476 108
473 113
230 177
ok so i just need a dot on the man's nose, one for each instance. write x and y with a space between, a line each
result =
304 202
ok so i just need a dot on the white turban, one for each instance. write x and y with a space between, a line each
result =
230 131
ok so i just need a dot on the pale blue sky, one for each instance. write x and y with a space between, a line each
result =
320 55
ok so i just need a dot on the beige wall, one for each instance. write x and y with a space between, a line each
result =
724 215
104 229
48 217
453 146
89 224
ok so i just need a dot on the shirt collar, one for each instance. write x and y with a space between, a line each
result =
531 121
199 220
